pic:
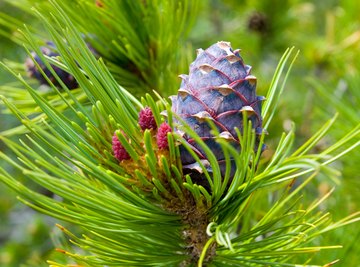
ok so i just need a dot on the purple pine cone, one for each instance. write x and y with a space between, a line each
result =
33 72
219 88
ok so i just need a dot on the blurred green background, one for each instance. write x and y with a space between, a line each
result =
325 80
26 237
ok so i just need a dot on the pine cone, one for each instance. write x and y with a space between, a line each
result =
33 71
219 88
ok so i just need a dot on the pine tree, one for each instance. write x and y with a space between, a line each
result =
116 161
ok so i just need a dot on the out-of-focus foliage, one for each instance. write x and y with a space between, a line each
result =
24 235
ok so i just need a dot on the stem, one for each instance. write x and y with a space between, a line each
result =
203 253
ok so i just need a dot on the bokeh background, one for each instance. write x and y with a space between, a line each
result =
325 80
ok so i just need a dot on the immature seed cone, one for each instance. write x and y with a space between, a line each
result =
161 136
118 149
146 119
34 72
219 88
